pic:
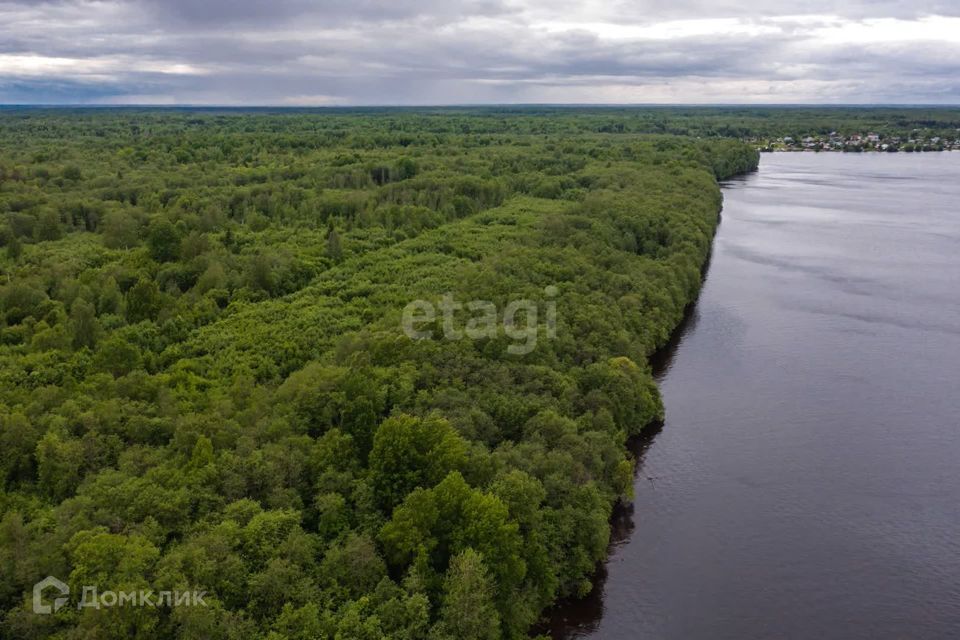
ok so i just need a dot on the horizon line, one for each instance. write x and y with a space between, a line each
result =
637 105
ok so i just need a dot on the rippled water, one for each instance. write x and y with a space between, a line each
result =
806 483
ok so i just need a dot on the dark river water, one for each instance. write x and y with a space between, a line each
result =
806 483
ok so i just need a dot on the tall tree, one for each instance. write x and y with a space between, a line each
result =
468 611
334 250
83 324
143 301
411 452
48 226
14 248
119 229
163 240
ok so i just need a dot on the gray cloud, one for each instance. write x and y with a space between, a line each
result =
435 52
191 13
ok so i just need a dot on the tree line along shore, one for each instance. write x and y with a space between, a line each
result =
205 384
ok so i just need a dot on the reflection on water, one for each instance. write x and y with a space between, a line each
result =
806 482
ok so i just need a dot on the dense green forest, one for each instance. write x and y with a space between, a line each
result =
741 122
205 384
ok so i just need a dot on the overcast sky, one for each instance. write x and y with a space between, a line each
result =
350 52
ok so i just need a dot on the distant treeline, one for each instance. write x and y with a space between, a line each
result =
204 383
741 122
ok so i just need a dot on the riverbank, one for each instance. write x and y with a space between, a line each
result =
858 143
782 497
800 150
581 612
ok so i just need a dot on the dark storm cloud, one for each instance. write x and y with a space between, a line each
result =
429 51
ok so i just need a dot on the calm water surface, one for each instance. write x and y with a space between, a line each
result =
806 483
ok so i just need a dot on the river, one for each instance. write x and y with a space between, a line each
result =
806 483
